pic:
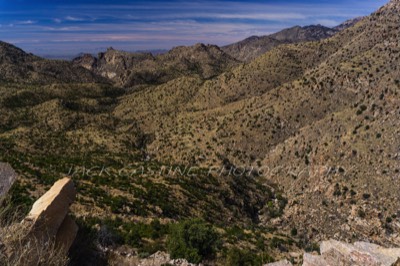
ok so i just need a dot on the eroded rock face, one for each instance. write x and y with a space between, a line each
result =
7 178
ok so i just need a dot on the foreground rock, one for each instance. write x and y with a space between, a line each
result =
49 218
7 178
335 253
45 236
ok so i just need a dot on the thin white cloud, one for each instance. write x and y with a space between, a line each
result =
62 28
262 16
26 22
225 9
72 18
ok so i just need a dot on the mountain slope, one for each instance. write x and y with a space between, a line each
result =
350 156
342 114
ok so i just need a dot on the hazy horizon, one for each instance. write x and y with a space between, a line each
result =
56 29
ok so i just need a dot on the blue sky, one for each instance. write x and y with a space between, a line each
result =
68 27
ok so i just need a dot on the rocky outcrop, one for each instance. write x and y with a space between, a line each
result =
335 253
360 253
49 218
134 69
45 236
87 61
7 178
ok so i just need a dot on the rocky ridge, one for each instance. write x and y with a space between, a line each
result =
252 47
348 23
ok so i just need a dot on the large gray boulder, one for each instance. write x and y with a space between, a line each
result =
7 178
360 253
386 256
336 253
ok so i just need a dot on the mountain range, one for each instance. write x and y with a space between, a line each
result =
310 114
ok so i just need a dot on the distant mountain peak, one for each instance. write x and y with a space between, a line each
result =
254 46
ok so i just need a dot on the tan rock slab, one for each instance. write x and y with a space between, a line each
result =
49 211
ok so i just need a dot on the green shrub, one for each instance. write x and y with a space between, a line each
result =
238 257
193 240
366 196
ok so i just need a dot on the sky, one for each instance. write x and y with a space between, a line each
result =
69 27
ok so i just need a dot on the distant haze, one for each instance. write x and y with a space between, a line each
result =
64 29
